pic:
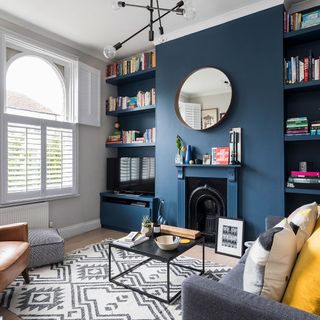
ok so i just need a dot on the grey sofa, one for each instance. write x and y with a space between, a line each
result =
205 299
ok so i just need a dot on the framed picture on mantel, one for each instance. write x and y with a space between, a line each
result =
230 237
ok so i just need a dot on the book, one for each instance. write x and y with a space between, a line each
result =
309 180
129 244
305 174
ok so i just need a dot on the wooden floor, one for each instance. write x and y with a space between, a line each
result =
98 235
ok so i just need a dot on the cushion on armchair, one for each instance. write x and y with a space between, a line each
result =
302 221
303 288
270 261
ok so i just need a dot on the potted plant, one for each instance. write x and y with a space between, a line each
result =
181 149
146 226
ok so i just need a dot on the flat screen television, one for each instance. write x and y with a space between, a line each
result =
131 175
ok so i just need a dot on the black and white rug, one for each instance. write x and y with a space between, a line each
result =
79 288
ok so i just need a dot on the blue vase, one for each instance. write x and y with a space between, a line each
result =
188 154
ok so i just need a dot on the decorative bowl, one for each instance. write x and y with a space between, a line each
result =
167 243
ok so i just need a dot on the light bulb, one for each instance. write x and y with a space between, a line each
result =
189 11
109 52
115 5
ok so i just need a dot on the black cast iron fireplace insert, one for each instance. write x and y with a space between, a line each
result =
206 205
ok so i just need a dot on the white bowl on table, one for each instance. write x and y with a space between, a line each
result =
167 243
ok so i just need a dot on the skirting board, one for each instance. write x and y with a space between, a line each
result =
76 229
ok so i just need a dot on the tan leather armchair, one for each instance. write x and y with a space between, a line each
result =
14 253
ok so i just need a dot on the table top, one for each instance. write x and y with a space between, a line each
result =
150 249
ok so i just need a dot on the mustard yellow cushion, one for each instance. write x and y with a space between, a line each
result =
303 291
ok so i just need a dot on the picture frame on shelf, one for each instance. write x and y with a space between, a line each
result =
206 159
209 117
230 237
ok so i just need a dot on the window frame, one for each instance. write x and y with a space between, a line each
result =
70 79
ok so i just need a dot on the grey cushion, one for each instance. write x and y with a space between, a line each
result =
234 278
47 247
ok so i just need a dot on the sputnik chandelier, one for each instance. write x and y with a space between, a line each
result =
182 8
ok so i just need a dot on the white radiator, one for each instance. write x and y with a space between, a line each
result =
37 215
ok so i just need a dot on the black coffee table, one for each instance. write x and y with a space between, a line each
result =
150 250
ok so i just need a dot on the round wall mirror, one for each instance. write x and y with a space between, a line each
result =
203 99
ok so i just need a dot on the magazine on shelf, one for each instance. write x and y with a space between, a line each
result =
129 244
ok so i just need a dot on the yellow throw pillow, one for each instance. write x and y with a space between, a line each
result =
303 291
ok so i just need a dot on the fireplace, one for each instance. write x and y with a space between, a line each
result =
223 179
206 203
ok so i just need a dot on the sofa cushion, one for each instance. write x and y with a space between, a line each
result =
303 288
270 261
234 278
302 221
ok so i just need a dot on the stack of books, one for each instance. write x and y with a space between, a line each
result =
141 100
299 21
115 138
133 64
297 126
304 180
131 136
150 135
130 242
298 69
315 128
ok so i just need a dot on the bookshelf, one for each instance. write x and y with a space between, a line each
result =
301 99
117 211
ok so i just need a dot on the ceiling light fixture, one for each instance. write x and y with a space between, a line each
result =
182 8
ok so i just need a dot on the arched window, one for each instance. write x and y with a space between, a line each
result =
35 88
39 140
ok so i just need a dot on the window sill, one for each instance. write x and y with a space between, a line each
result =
37 200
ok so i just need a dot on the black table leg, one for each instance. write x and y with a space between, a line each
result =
168 281
203 256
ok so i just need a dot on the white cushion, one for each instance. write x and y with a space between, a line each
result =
270 261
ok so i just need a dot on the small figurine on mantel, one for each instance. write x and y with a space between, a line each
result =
181 149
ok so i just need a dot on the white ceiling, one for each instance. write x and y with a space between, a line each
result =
92 24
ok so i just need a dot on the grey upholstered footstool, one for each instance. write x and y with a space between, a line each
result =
47 247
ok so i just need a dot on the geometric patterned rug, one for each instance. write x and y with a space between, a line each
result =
78 288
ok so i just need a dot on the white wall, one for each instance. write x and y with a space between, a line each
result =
92 158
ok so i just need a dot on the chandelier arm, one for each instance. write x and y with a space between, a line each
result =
160 24
119 44
125 4
151 32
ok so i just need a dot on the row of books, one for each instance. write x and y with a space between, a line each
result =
299 21
298 69
122 103
133 64
132 136
296 126
304 179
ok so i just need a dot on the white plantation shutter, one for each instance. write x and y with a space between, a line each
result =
135 169
191 114
148 168
124 169
59 158
24 158
40 159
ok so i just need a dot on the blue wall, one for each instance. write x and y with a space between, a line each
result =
250 51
